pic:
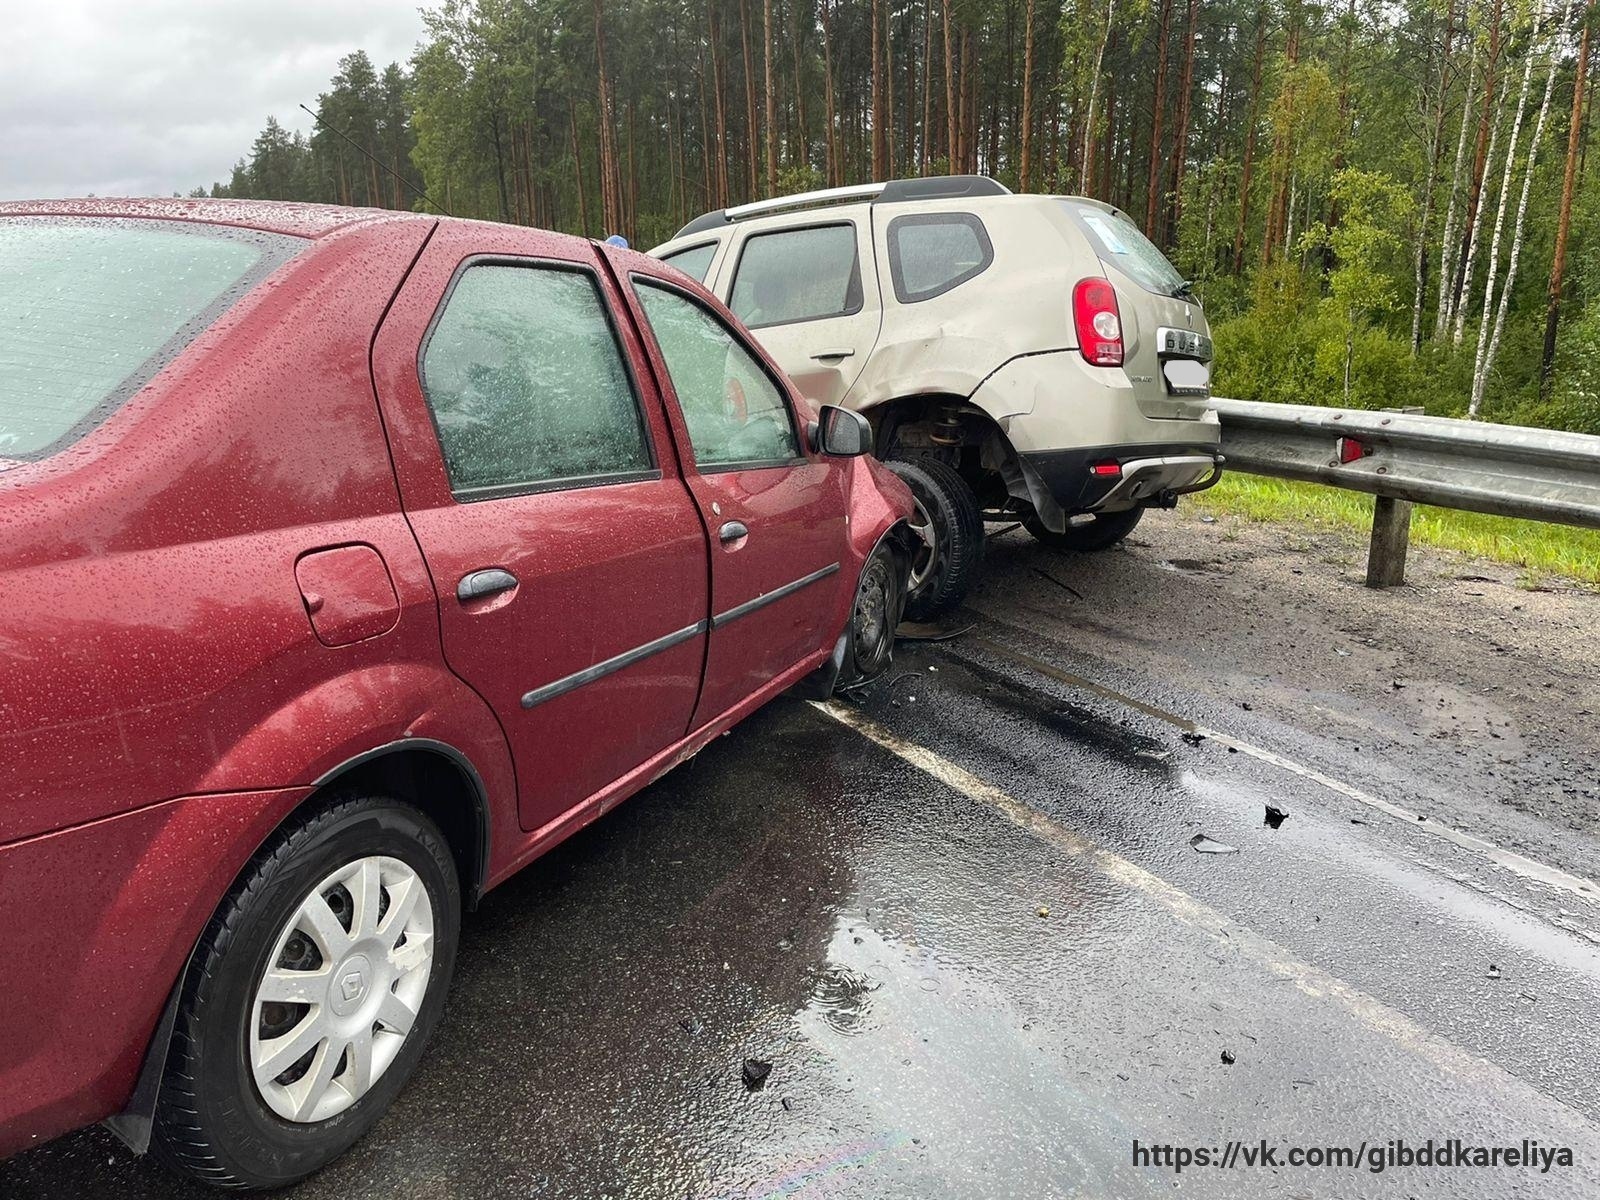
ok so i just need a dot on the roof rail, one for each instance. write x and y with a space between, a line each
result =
937 187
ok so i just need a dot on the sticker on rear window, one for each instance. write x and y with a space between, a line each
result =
1106 232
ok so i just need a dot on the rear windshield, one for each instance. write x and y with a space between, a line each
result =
91 309
1119 244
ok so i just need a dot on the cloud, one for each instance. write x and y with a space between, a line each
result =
151 97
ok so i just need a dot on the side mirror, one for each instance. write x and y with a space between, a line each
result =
842 433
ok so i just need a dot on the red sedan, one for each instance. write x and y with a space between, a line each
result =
352 560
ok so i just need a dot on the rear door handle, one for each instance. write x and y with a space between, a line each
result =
733 531
831 355
488 582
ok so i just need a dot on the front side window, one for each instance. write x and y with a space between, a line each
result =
527 385
693 262
735 413
91 309
1118 242
797 275
931 253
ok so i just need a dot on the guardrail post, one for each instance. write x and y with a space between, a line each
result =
1391 537
1391 531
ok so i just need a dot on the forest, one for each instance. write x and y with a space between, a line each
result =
1380 204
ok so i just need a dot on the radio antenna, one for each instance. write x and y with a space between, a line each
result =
377 162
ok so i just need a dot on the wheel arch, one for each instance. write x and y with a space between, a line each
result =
438 780
966 435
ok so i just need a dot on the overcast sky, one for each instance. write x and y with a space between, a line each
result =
151 97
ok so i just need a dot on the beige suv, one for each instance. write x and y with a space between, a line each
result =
1019 357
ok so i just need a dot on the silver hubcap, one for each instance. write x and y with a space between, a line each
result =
347 978
926 552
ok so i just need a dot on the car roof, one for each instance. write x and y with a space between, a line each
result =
271 216
957 194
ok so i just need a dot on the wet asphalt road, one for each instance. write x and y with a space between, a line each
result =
855 895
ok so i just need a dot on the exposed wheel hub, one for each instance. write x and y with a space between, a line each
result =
872 607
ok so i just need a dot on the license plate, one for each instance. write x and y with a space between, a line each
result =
1186 377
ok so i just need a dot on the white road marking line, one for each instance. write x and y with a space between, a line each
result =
1314 982
1518 864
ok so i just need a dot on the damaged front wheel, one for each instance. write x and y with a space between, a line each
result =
880 602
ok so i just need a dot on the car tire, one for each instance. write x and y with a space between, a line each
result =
383 874
949 528
878 605
1105 531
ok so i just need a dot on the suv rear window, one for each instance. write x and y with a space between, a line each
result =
1119 243
930 253
797 275
695 261
91 309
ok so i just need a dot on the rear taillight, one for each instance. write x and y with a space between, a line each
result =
1094 310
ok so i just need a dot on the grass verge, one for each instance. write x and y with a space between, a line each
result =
1540 549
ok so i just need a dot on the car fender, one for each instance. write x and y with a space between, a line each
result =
880 507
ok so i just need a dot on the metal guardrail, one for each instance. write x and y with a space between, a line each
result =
1402 457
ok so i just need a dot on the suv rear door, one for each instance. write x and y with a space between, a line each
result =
806 286
540 479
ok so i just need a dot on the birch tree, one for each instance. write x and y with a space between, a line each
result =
1474 228
1491 276
1489 347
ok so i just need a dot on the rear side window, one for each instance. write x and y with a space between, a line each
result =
1118 242
736 414
797 275
693 262
527 384
930 253
91 309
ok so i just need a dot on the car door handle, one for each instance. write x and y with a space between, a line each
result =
488 582
733 531
831 355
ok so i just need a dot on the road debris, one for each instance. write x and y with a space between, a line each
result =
1205 845
1193 738
755 1074
1227 1058
1275 816
918 631
1494 971
1043 911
